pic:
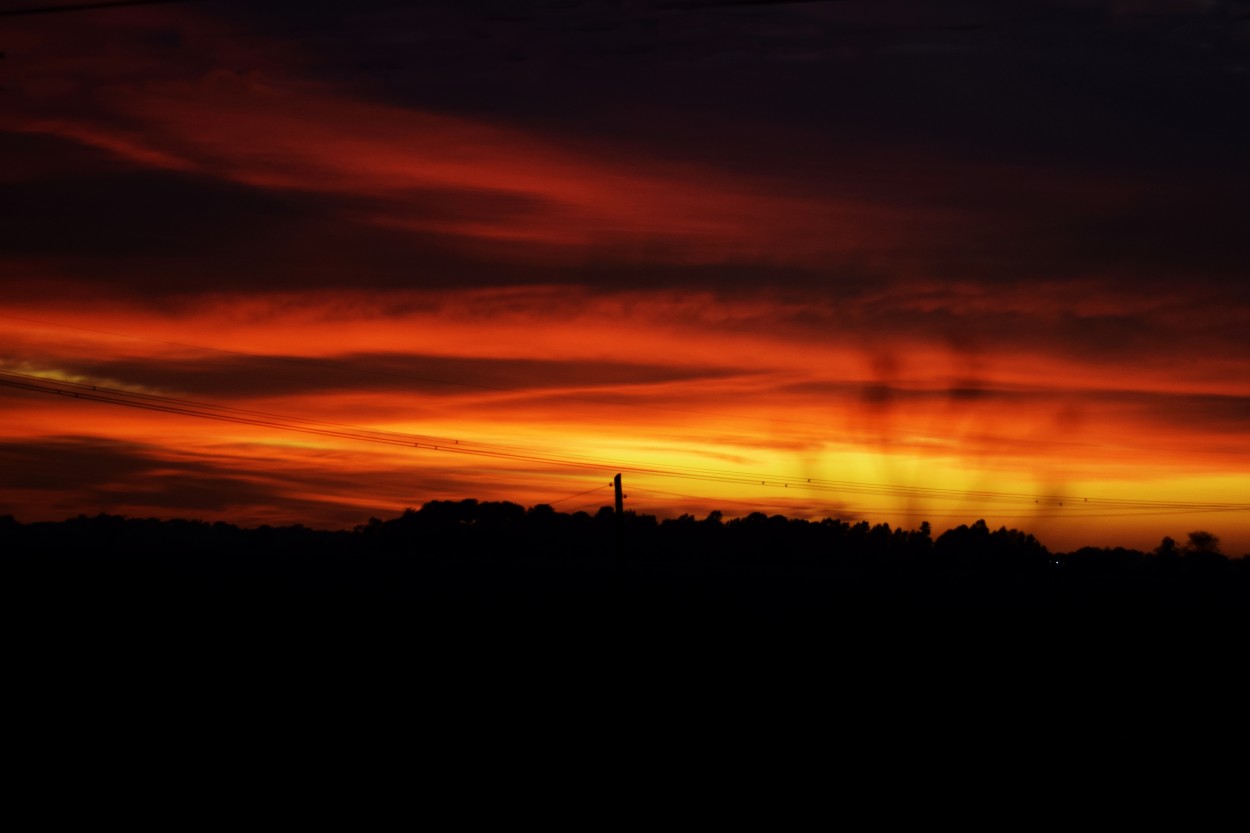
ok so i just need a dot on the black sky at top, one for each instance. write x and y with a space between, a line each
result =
1097 83
1100 82
899 102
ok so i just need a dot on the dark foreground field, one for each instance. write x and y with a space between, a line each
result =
464 635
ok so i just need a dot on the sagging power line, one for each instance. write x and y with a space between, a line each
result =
268 420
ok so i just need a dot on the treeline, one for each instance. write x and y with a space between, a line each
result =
500 529
487 556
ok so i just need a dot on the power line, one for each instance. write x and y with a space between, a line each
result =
340 430
860 511
636 489
576 509
578 494
171 405
308 362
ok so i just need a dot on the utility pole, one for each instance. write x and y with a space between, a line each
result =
620 519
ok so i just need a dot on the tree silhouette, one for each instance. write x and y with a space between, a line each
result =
1202 542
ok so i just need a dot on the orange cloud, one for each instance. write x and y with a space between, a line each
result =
523 187
930 340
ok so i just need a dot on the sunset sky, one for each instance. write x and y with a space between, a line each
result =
890 260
